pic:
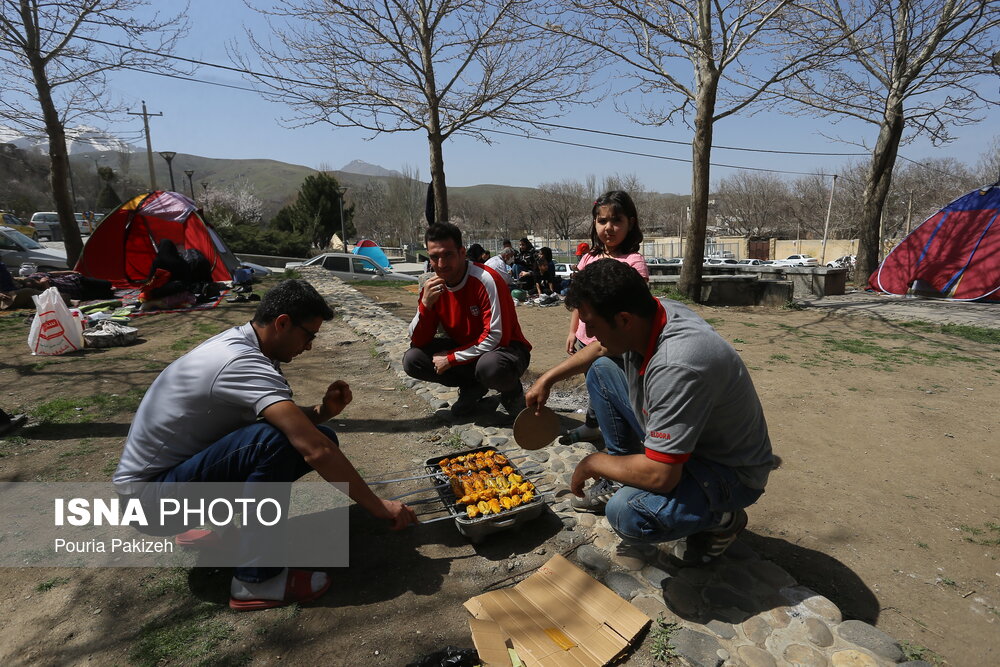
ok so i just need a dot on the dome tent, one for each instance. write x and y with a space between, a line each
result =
371 249
954 254
123 247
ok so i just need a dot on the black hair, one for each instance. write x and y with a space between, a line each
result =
526 242
620 202
296 298
546 252
476 253
610 287
442 231
506 243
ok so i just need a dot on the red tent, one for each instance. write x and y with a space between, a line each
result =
123 247
953 255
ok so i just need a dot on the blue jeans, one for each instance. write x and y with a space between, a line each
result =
706 491
255 453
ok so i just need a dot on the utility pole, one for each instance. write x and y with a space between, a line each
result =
149 144
826 225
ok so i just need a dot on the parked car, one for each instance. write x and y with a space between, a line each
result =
714 261
674 261
348 266
797 260
14 222
843 262
750 262
46 223
17 249
565 271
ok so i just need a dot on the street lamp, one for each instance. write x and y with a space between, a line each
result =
342 190
169 156
189 173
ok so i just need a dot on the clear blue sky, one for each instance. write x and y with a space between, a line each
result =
218 122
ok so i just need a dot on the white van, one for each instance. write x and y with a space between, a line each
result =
47 225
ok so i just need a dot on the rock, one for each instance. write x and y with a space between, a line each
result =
806 656
682 597
852 658
539 455
755 657
770 574
779 617
697 648
869 637
592 558
438 404
655 576
720 629
654 608
472 438
498 440
737 577
622 584
823 608
568 521
757 630
718 596
586 520
818 633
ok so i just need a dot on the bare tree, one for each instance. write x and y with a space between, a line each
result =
733 52
54 72
753 204
508 213
988 169
911 68
405 205
443 68
561 209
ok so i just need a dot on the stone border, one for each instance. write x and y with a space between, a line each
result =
740 610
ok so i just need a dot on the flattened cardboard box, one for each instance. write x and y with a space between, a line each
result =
558 617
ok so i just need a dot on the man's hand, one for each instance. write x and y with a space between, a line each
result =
433 289
338 396
399 514
441 363
537 395
581 474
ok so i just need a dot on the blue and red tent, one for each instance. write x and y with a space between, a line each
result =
954 254
369 248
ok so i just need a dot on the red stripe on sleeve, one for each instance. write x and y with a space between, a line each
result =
666 458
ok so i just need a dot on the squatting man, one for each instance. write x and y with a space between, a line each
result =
224 412
687 443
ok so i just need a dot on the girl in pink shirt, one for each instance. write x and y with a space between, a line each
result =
614 234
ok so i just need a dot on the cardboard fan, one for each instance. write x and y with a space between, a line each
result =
533 431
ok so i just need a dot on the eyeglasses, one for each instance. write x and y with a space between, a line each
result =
311 334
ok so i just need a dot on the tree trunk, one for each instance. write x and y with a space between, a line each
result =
701 154
876 189
56 134
434 142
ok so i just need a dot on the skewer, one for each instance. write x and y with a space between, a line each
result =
438 499
400 472
452 516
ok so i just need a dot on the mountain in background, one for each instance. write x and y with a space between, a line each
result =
79 140
363 168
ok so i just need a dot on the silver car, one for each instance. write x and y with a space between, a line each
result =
349 266
17 249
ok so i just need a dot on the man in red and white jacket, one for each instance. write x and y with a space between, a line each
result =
484 348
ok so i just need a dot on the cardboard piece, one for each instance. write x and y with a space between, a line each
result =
558 617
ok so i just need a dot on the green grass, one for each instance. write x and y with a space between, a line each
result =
191 636
49 584
739 340
85 409
109 467
454 441
82 448
780 357
670 292
923 545
913 651
987 536
291 274
12 442
661 649
380 283
173 581
975 334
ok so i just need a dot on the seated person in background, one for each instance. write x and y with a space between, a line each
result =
524 262
484 348
501 264
223 412
477 254
544 275
687 443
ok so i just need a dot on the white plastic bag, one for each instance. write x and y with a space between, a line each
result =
54 329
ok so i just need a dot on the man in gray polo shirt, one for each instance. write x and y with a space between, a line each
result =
223 412
687 443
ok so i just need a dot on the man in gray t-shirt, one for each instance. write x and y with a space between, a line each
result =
223 412
688 447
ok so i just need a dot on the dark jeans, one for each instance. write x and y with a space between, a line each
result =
707 490
499 369
255 453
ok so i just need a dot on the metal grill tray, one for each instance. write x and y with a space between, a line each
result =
478 528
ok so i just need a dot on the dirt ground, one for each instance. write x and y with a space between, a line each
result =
887 500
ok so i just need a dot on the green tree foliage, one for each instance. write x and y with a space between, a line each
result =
259 241
316 211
